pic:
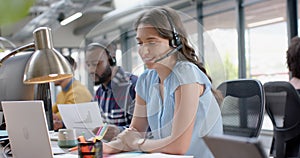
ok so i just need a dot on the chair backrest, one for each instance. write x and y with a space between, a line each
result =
283 108
242 107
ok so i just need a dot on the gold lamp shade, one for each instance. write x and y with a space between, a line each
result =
46 64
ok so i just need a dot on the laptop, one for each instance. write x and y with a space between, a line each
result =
227 146
83 117
27 129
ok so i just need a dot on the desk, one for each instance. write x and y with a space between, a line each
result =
130 155
120 155
144 155
139 155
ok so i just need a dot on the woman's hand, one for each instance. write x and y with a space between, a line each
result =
133 138
117 144
112 147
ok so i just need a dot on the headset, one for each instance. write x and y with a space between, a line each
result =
112 60
175 42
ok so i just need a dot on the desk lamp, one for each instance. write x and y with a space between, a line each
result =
45 65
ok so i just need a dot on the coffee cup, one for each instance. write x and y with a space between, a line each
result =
66 138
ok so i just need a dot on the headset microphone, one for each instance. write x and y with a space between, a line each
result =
169 53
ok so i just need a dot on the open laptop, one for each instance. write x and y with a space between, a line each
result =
27 129
83 117
227 146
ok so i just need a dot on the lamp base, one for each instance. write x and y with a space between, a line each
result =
42 92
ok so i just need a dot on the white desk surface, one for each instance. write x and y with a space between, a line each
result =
130 155
120 155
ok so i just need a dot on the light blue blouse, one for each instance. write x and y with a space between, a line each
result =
160 112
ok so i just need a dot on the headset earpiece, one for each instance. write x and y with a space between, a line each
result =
175 42
112 60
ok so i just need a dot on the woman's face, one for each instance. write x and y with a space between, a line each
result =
151 46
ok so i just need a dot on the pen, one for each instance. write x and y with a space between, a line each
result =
84 149
73 149
103 130
79 140
99 130
100 134
95 141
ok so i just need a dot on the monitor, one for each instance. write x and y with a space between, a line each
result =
12 87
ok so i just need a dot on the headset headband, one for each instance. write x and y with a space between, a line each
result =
176 39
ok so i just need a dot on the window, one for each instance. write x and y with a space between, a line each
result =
220 41
266 37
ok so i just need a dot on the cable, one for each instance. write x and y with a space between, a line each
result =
4 152
8 41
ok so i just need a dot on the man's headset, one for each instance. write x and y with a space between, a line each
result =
175 42
112 60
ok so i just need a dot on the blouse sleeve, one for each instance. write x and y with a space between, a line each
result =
188 73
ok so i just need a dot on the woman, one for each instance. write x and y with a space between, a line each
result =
174 96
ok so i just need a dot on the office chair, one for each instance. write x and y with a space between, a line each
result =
283 108
243 106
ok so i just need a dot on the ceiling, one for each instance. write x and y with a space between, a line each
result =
49 13
114 14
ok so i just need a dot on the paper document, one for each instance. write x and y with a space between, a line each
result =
83 117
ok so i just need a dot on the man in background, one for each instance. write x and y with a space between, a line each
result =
116 91
72 91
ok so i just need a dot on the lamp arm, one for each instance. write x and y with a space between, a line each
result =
15 51
8 41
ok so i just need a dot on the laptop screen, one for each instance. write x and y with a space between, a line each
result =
27 129
227 146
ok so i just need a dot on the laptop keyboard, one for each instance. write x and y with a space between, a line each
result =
53 135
